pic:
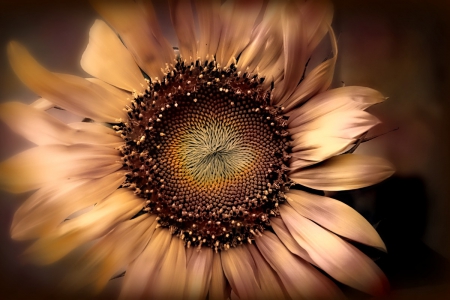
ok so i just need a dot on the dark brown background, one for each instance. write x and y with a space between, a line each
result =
400 48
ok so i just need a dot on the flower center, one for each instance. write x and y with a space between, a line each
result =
208 153
211 151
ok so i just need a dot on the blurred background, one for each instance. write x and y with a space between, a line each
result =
400 48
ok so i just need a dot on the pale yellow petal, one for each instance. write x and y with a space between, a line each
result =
283 234
271 285
100 128
343 98
301 280
344 172
43 211
183 22
70 92
314 19
234 296
240 273
118 207
169 282
198 274
208 15
120 96
335 216
336 257
79 212
218 288
150 22
137 26
111 254
237 20
295 51
266 43
316 81
42 104
107 59
37 166
317 16
329 134
297 162
274 74
142 271
41 128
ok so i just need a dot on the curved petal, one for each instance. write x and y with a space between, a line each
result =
41 128
218 288
100 129
343 98
335 216
169 282
344 172
240 273
335 256
237 19
299 278
233 296
317 16
37 166
66 91
43 211
118 207
121 96
105 258
274 74
93 127
183 21
42 104
137 25
295 51
266 43
208 15
329 134
316 81
283 234
271 285
107 58
150 20
198 273
145 267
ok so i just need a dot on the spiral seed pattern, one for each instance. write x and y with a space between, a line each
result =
208 154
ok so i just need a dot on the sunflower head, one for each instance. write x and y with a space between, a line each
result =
196 172
208 152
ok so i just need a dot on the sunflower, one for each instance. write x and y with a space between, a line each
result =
198 169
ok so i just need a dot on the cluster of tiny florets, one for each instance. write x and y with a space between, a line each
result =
208 153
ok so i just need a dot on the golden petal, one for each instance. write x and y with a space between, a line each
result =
66 91
137 26
240 273
237 19
18 174
218 288
48 207
335 216
146 266
344 172
183 22
118 207
169 282
41 128
335 256
107 58
301 280
198 276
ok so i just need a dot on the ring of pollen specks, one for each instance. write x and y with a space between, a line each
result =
208 153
